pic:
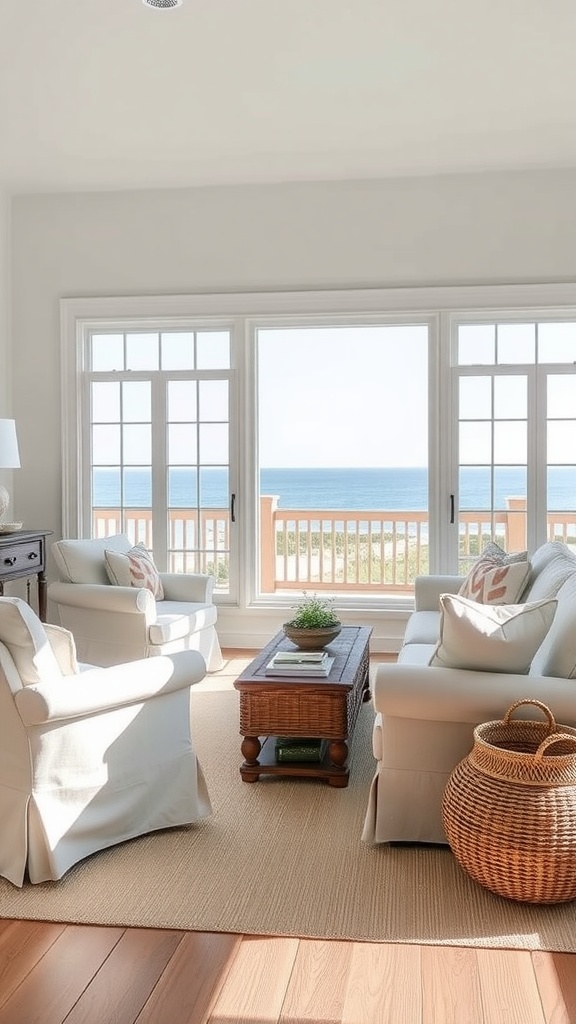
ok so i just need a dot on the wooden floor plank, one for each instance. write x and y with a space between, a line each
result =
254 990
384 984
508 985
556 980
22 945
127 978
191 983
450 986
52 987
318 982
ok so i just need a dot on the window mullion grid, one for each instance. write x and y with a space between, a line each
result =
159 428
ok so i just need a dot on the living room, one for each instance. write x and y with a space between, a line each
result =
457 170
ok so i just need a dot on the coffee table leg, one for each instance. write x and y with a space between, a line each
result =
250 747
338 754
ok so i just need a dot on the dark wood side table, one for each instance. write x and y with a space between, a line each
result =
302 707
23 555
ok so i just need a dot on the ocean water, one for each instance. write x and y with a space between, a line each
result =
347 489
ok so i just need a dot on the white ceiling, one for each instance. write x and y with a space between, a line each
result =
108 94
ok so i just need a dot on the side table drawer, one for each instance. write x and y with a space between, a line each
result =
21 558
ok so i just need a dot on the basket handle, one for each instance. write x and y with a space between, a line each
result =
557 737
537 703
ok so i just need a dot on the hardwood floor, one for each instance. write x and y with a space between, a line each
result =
55 973
52 973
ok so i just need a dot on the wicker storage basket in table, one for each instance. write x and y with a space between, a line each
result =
509 808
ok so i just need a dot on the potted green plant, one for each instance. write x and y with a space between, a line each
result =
314 624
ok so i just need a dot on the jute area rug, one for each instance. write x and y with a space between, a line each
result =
284 857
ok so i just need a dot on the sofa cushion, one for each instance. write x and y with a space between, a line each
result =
134 568
422 628
25 637
492 582
491 638
416 654
551 565
557 654
82 561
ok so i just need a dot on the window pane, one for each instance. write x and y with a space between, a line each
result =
105 402
476 344
561 396
138 487
509 482
562 441
142 351
510 397
214 443
516 343
557 343
137 441
106 445
107 351
177 348
182 400
182 487
476 398
562 489
475 443
213 350
475 487
213 399
214 488
182 444
106 488
510 442
136 401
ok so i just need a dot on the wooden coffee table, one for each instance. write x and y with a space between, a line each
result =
272 706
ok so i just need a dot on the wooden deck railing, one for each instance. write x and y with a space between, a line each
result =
326 549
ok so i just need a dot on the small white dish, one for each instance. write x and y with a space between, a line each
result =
10 527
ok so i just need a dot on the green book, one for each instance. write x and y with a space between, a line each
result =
290 748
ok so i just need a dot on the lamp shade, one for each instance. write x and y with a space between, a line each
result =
9 455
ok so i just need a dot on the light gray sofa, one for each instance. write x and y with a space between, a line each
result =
425 715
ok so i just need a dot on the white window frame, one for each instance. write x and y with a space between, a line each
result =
440 306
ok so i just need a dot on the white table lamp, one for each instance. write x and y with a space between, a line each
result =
9 457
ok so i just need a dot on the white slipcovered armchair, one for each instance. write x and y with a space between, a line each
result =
91 757
112 624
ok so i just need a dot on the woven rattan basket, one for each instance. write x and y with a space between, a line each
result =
509 808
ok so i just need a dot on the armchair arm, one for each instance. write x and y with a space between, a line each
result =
62 643
188 586
100 690
105 597
427 590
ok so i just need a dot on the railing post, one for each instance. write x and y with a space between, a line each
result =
516 524
268 506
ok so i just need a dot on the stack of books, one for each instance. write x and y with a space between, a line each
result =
300 663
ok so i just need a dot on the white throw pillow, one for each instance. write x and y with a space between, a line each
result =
491 638
82 561
134 569
493 582
25 637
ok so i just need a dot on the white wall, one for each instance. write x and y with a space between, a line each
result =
5 348
447 230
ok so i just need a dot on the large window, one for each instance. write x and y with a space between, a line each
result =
343 457
156 425
334 441
516 433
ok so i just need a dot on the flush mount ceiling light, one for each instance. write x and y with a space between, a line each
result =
162 5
